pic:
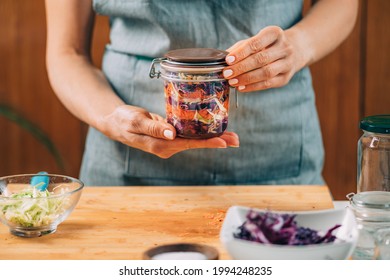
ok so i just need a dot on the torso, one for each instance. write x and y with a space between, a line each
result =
280 140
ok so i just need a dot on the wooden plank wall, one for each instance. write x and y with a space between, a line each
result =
337 82
376 94
24 86
350 83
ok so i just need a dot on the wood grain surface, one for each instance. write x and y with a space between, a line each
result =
122 222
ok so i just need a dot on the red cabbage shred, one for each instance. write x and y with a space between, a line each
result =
282 229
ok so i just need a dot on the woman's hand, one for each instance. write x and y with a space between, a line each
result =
267 60
149 132
270 58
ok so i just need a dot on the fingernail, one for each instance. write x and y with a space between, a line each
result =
168 134
234 146
241 87
227 73
233 81
230 59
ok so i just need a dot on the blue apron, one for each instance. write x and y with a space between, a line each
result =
280 138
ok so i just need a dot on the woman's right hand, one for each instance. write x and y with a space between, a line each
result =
149 132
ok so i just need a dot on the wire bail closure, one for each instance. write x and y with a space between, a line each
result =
153 73
152 70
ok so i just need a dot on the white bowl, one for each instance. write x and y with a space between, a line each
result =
323 220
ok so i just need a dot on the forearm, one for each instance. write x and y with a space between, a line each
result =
81 87
325 26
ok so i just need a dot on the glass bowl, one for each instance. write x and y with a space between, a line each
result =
33 205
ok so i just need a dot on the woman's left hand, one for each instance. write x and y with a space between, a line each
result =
266 60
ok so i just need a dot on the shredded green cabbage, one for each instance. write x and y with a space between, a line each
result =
29 208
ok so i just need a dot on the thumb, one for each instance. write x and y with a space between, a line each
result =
158 129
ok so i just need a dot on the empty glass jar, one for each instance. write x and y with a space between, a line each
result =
372 213
373 172
196 93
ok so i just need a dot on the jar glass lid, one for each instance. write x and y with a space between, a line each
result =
196 55
371 199
378 124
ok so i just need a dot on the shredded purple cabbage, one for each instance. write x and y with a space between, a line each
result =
274 228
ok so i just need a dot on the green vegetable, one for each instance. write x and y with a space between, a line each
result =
33 208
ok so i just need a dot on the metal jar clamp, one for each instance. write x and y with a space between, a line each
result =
156 73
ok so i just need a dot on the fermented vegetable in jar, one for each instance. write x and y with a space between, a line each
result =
196 93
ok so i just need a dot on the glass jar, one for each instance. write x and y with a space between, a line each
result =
382 240
372 213
373 172
196 93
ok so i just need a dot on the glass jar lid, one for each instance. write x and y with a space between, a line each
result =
370 199
191 60
196 56
377 124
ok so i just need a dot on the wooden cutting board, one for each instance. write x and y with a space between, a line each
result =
123 222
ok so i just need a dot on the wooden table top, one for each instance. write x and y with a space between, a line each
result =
120 223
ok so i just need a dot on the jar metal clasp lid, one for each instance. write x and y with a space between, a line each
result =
153 73
370 199
152 70
350 195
